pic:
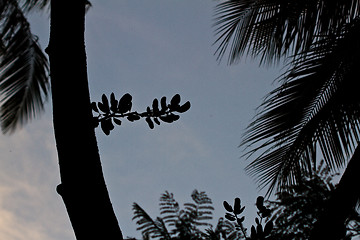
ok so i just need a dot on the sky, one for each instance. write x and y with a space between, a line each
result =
149 49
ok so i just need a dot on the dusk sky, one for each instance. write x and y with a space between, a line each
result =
149 49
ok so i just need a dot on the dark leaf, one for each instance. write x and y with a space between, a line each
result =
183 108
113 103
107 125
105 102
94 107
150 122
253 234
95 122
240 220
259 202
175 100
268 228
259 230
229 217
125 103
237 206
103 108
175 117
227 206
167 118
133 117
174 103
242 209
163 104
257 221
155 106
156 120
117 121
148 110
265 212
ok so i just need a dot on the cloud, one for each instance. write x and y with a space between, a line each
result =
30 208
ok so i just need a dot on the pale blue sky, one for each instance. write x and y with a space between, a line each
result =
150 49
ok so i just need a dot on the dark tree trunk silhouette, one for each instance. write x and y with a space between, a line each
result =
82 187
331 224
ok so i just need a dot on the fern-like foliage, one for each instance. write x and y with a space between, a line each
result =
148 226
176 223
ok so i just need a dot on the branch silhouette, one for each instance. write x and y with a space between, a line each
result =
113 110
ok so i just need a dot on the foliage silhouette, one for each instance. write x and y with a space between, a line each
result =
257 233
24 69
24 86
176 223
189 223
298 207
111 111
316 105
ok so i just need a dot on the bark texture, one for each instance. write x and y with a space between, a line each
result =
82 187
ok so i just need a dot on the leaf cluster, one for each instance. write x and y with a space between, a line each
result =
112 110
174 222
298 207
257 233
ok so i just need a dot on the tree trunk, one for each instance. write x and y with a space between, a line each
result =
82 187
341 204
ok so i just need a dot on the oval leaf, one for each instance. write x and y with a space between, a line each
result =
113 103
229 217
105 103
227 206
125 103
183 108
155 106
175 100
163 104
150 122
106 125
237 206
166 118
157 121
133 117
117 121
242 209
259 202
94 107
253 232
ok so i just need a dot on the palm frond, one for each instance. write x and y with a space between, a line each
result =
23 70
316 104
275 28
28 5
169 208
202 208
148 226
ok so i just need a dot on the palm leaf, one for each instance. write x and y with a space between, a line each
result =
316 105
202 207
275 28
148 226
169 208
23 70
28 5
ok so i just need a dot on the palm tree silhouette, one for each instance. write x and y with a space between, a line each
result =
317 105
24 68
